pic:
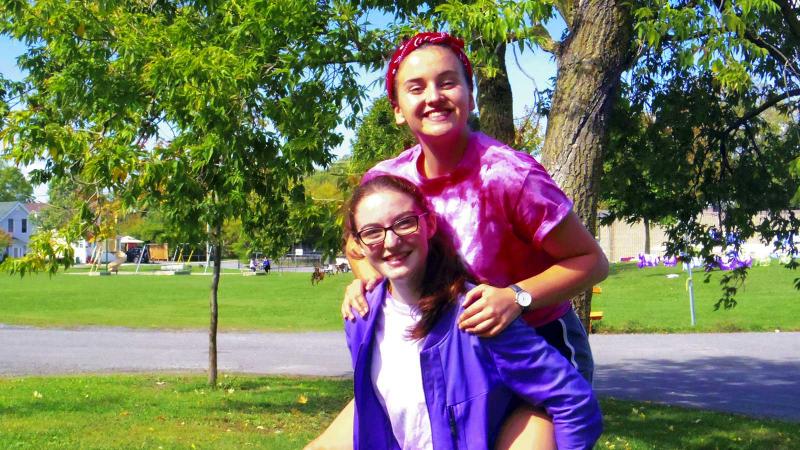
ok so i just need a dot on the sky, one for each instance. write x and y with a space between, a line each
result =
534 71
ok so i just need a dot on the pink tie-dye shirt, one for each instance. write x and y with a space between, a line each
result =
499 204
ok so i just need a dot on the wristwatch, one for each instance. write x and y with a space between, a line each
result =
522 297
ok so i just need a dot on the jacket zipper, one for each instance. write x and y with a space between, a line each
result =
453 430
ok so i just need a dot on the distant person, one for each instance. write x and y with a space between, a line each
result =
266 265
253 264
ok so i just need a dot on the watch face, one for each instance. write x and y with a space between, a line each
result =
524 299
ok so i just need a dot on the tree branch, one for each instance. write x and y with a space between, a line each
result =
790 15
545 40
769 103
774 51
566 9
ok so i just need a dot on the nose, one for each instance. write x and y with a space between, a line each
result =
391 239
433 94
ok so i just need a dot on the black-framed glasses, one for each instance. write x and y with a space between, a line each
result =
402 227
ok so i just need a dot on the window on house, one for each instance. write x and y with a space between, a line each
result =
24 226
10 225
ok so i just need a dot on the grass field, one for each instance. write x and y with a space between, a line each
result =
645 300
180 412
632 299
279 301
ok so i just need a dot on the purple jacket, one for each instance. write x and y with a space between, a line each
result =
471 384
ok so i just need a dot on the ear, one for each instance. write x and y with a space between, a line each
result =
431 218
398 115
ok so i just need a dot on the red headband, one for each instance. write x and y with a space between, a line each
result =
455 44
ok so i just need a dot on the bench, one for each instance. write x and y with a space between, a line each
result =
595 315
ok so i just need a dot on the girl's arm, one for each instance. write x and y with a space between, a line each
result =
580 265
538 374
366 280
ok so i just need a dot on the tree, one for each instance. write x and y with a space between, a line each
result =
377 138
207 111
13 185
5 242
64 196
711 96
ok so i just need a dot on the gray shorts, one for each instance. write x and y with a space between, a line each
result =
569 337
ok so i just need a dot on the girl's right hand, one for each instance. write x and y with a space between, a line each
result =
354 298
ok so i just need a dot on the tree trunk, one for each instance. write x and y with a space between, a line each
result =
590 62
495 103
212 329
646 222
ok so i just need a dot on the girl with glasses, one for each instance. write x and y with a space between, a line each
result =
420 381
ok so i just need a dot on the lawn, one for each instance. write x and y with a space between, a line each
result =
279 301
632 299
180 412
645 300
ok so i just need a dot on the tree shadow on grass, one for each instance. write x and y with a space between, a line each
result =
61 405
276 395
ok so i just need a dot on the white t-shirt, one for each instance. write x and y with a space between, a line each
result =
397 376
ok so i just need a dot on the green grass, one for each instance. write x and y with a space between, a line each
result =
150 411
180 412
645 300
632 299
279 301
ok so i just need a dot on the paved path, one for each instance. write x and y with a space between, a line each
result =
750 373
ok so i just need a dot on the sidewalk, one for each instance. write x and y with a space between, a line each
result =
750 373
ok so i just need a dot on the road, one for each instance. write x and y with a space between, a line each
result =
750 373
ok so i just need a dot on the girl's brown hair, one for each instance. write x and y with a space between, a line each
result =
446 274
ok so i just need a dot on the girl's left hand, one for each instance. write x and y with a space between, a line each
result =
489 310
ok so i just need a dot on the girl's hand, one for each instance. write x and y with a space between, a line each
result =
354 297
489 310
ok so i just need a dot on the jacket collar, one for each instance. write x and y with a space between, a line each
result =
442 328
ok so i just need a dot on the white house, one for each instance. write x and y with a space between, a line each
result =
14 220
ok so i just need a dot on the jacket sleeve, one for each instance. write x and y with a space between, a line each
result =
352 334
538 374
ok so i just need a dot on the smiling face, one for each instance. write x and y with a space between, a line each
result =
432 95
400 259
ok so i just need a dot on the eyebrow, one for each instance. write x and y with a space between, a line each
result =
447 73
400 216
